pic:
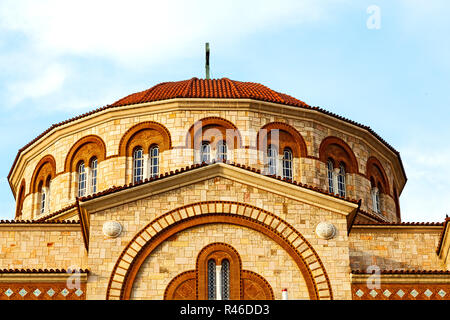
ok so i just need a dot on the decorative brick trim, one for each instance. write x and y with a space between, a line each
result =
403 272
219 251
158 231
263 283
238 278
341 153
39 222
2 271
179 280
38 176
373 165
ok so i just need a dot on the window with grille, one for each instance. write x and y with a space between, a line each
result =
211 280
225 275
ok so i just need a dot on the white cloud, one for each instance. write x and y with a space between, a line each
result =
427 190
148 31
48 81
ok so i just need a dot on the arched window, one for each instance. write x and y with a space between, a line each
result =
341 180
81 179
205 152
211 279
93 167
154 161
138 164
222 151
287 164
272 157
47 193
376 200
218 280
330 174
225 275
43 198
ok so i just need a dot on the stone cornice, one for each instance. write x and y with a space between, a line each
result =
42 276
420 277
389 227
240 175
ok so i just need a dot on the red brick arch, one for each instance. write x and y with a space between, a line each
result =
289 137
227 130
338 150
212 212
145 134
46 167
84 150
20 198
375 172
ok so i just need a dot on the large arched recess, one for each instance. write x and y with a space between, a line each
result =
212 212
288 136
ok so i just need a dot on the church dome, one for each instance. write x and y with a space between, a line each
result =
209 88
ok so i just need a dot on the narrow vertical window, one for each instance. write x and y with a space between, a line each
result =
138 165
330 173
287 164
225 275
42 199
93 166
154 161
272 156
47 193
211 280
376 200
341 180
222 151
81 180
205 152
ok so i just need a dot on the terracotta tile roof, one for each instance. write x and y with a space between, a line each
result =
44 270
370 215
56 213
39 222
404 272
441 238
213 88
196 166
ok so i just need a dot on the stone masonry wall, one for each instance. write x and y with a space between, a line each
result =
391 248
115 171
104 252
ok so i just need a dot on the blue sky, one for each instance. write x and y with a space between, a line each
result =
61 59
